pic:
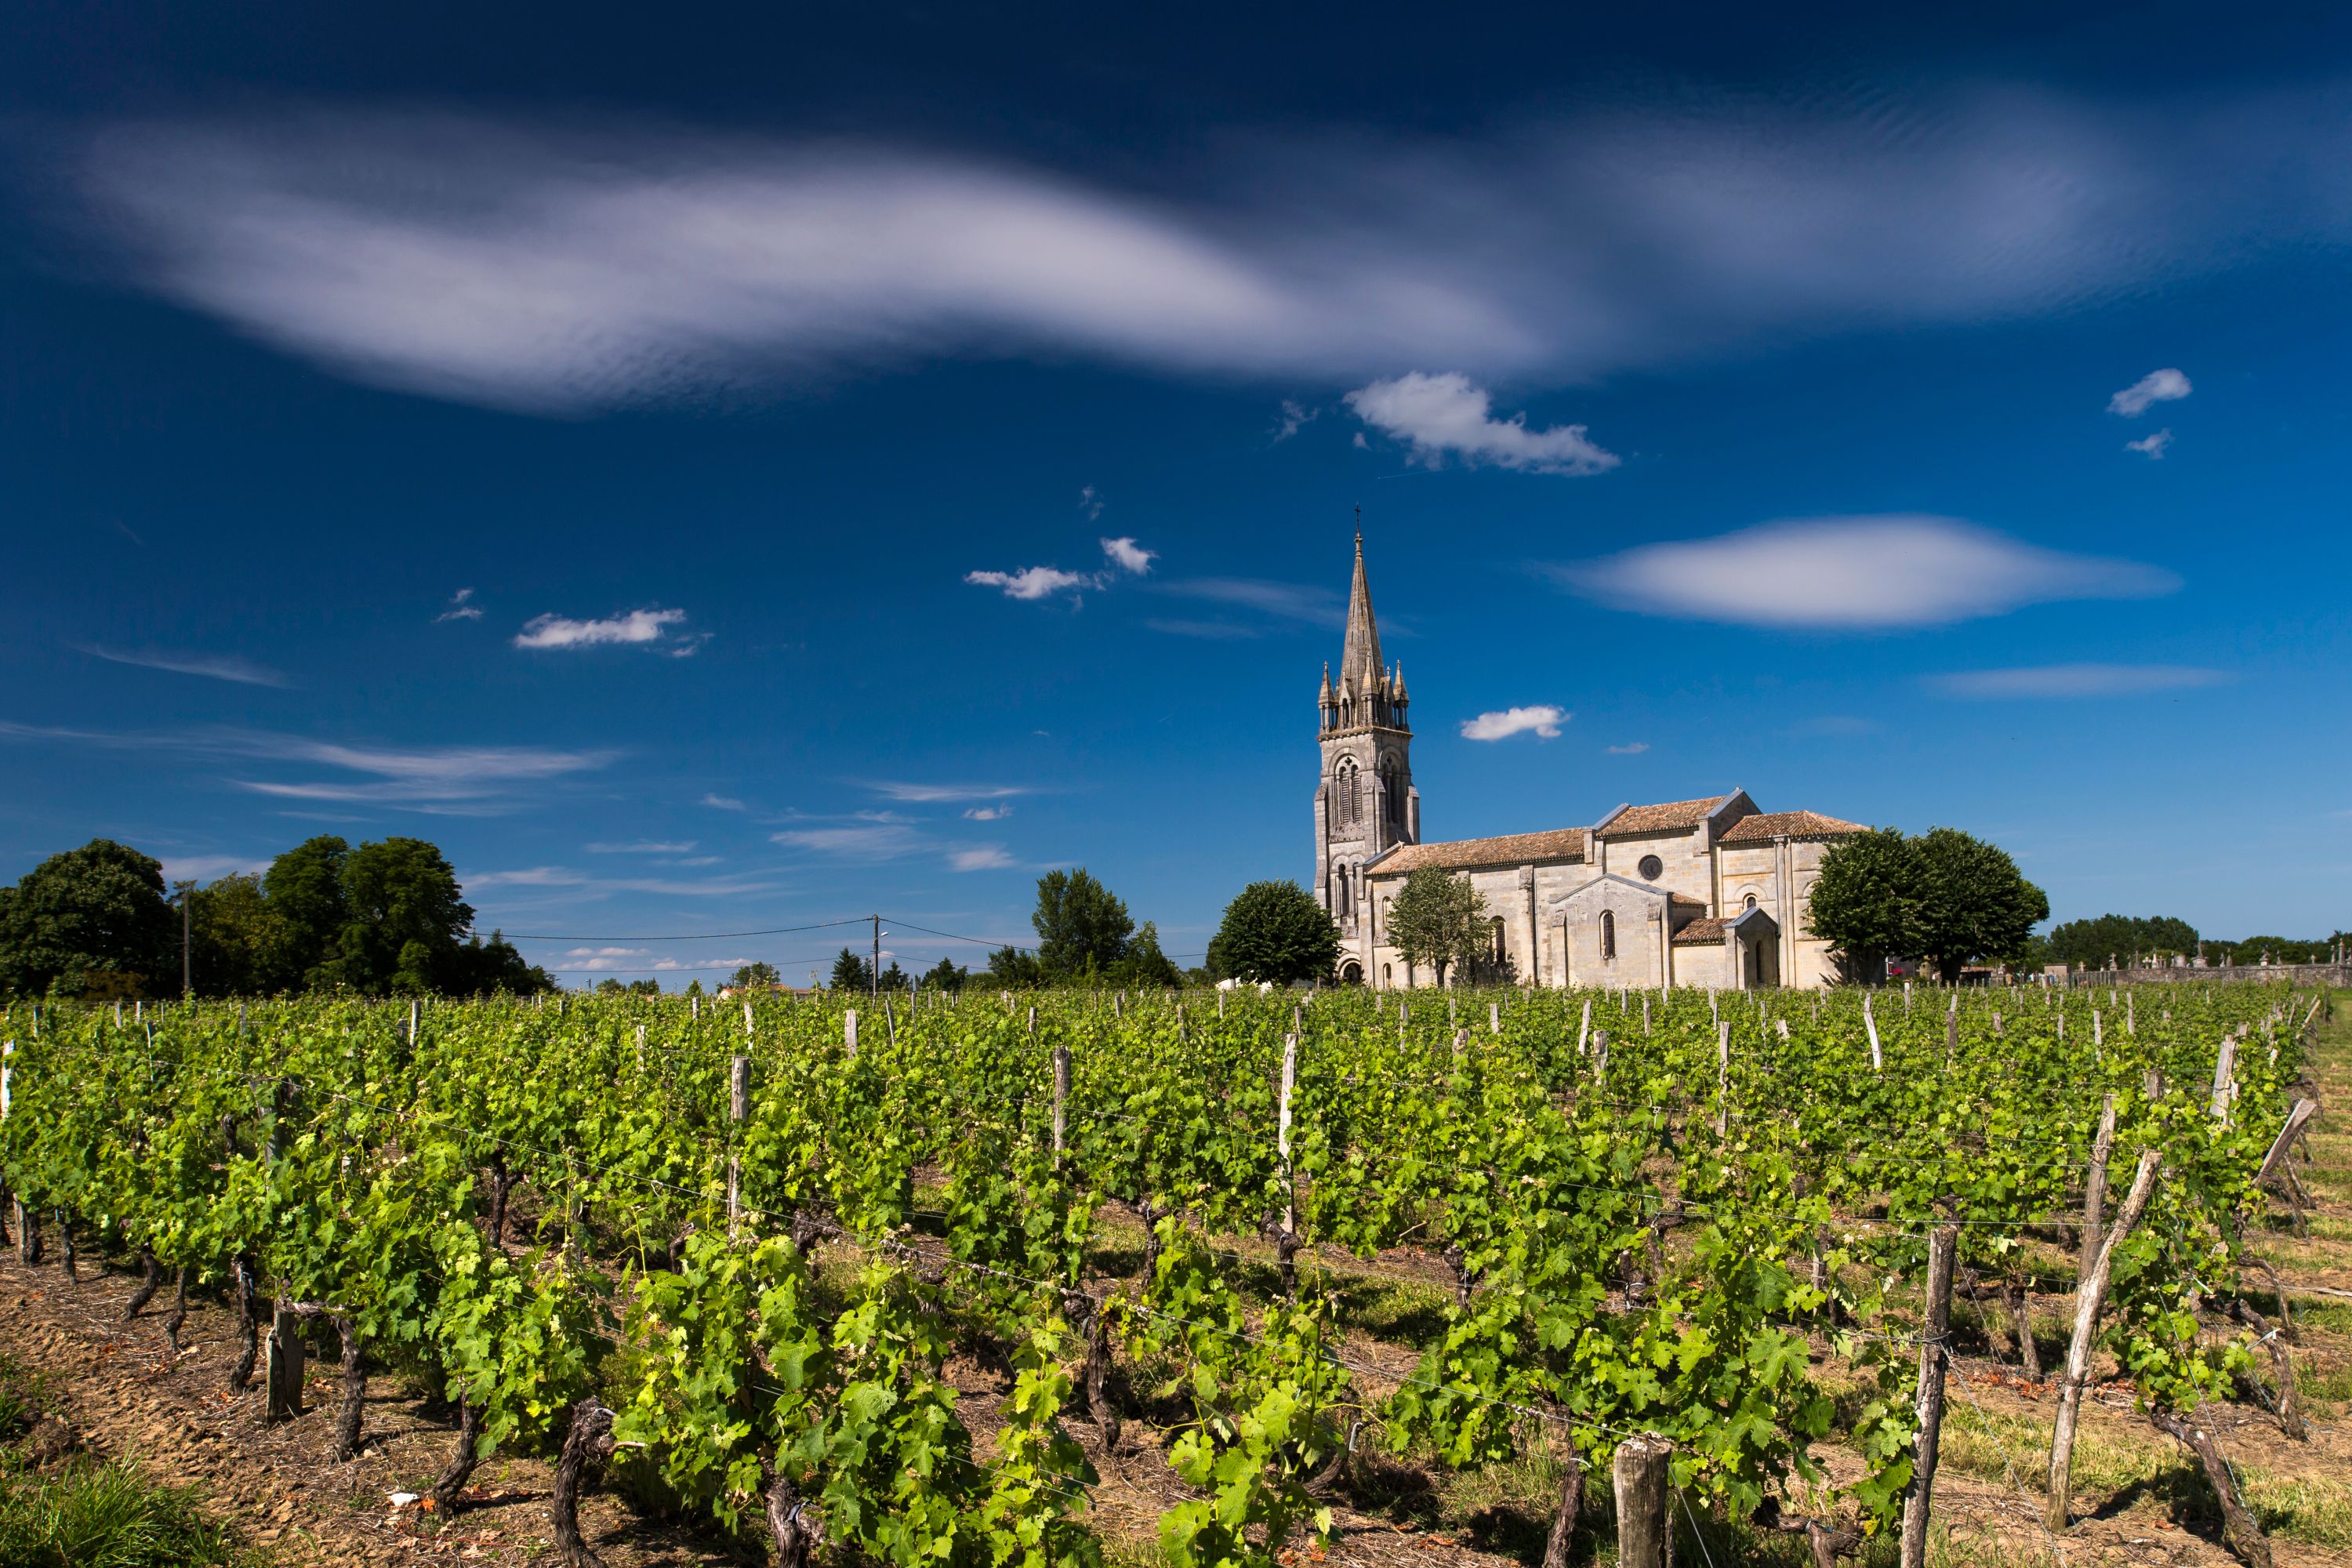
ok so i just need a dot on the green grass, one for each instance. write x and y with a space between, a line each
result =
85 1513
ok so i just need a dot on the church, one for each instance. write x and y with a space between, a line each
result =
1706 892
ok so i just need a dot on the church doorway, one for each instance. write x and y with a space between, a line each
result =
1351 973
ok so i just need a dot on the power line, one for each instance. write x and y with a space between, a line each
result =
699 936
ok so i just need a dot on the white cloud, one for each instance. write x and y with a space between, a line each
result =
206 867
1127 556
1865 572
1313 605
460 609
2157 387
987 812
643 846
1032 582
1441 414
2152 447
561 631
216 667
869 840
980 857
1543 719
2077 680
933 794
1630 749
1294 416
722 803
1089 502
513 263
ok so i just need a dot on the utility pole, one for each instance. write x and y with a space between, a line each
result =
187 945
875 973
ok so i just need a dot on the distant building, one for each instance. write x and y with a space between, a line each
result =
1692 892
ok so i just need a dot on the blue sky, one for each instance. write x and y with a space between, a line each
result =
778 467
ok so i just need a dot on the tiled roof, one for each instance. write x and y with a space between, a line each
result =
1684 901
1674 813
1767 825
1511 849
1703 931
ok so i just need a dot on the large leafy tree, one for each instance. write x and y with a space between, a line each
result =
947 975
1015 969
237 940
1973 902
1082 927
1275 931
1436 920
1865 902
305 890
91 921
404 920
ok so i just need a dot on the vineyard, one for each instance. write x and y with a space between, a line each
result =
1658 1249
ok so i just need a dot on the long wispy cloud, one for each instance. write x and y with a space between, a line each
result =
1443 416
1859 573
2077 680
509 263
1542 720
2157 387
1121 557
1275 604
461 607
443 780
214 667
633 628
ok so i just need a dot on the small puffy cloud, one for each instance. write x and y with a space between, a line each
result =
645 847
461 609
1127 555
2077 680
1856 573
638 626
1543 719
980 857
2157 387
1294 416
212 666
1630 749
1438 415
2151 447
987 812
1090 502
722 803
1032 582
205 868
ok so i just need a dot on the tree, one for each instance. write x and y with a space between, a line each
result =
1015 969
755 975
894 978
1436 920
236 940
946 975
92 923
1275 931
2092 944
1145 966
1082 929
404 919
485 968
1865 902
305 890
852 972
1973 902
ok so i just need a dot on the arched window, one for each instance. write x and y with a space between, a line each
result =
1387 907
1392 797
1351 805
1494 940
1388 975
1608 936
1751 900
1346 902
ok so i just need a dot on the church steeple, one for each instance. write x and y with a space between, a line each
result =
1359 657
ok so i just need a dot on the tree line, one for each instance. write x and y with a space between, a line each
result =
385 919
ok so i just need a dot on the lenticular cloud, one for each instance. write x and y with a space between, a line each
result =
515 265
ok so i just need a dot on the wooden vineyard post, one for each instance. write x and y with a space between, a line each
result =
694 1006
1600 1055
2095 1189
283 1368
1722 1078
1584 1024
747 1020
1286 1244
23 1222
1952 1027
1062 1096
1644 1532
849 1033
1877 1061
2225 1086
739 1108
1494 1017
1032 1022
1645 1014
1935 1354
2089 1295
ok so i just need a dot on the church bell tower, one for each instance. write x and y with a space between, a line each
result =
1365 802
